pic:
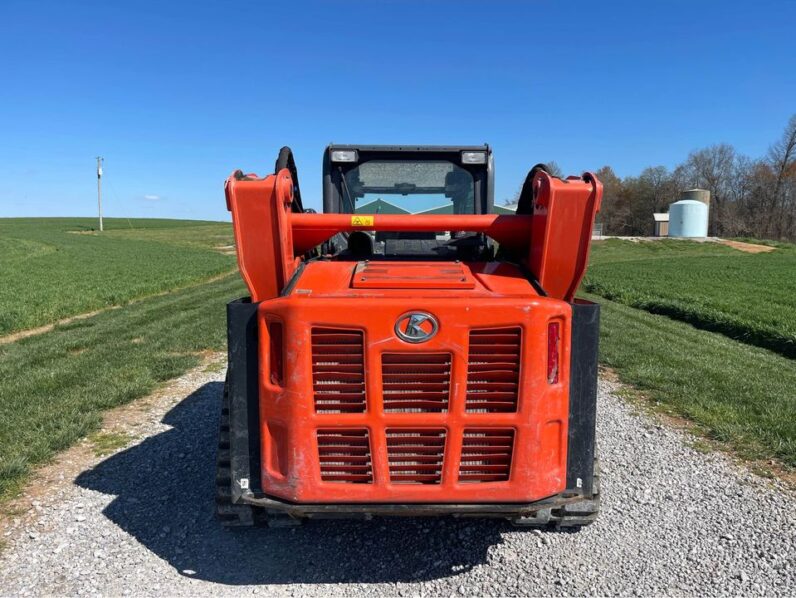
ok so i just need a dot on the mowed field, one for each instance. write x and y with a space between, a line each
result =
749 297
706 332
172 280
52 268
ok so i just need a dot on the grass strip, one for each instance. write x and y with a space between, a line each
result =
737 394
55 386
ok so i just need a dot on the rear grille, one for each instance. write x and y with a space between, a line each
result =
416 456
493 370
344 456
416 382
486 455
338 372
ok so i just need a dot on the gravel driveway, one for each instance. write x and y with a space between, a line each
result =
140 521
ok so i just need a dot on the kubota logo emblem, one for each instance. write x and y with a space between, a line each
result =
416 327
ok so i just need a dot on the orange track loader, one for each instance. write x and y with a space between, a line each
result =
413 350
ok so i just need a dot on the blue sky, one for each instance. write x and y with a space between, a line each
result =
177 95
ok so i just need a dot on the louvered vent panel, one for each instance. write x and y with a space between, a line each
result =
493 370
416 455
486 455
415 382
344 456
338 372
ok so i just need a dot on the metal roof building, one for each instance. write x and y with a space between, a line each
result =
661 224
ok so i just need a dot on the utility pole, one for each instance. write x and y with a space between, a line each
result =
100 160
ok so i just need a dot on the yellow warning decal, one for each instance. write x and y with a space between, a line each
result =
361 220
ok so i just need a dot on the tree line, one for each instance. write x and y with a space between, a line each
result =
748 197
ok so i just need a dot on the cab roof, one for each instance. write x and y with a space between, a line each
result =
409 148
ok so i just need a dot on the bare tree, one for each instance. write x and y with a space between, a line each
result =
615 213
782 158
712 168
748 197
552 167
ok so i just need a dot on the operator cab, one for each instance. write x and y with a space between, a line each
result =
395 180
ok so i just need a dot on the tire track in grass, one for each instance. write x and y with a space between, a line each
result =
20 334
55 386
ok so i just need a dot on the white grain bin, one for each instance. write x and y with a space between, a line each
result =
688 218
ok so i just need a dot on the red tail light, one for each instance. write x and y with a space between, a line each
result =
553 344
275 349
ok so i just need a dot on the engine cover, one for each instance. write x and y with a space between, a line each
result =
406 391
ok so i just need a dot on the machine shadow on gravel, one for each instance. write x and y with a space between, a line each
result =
164 498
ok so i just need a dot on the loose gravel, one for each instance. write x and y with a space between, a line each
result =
675 522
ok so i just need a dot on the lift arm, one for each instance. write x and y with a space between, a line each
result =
553 242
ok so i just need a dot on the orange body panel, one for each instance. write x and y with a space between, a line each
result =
412 275
260 211
290 422
483 279
563 217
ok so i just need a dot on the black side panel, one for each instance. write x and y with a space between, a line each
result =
525 202
244 401
490 185
583 396
331 201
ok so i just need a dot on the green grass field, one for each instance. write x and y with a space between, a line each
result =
686 323
735 393
55 386
52 268
748 297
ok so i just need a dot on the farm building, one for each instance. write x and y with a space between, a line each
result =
448 209
661 221
380 206
507 209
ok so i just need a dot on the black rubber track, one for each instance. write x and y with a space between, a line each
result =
570 516
579 514
229 514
